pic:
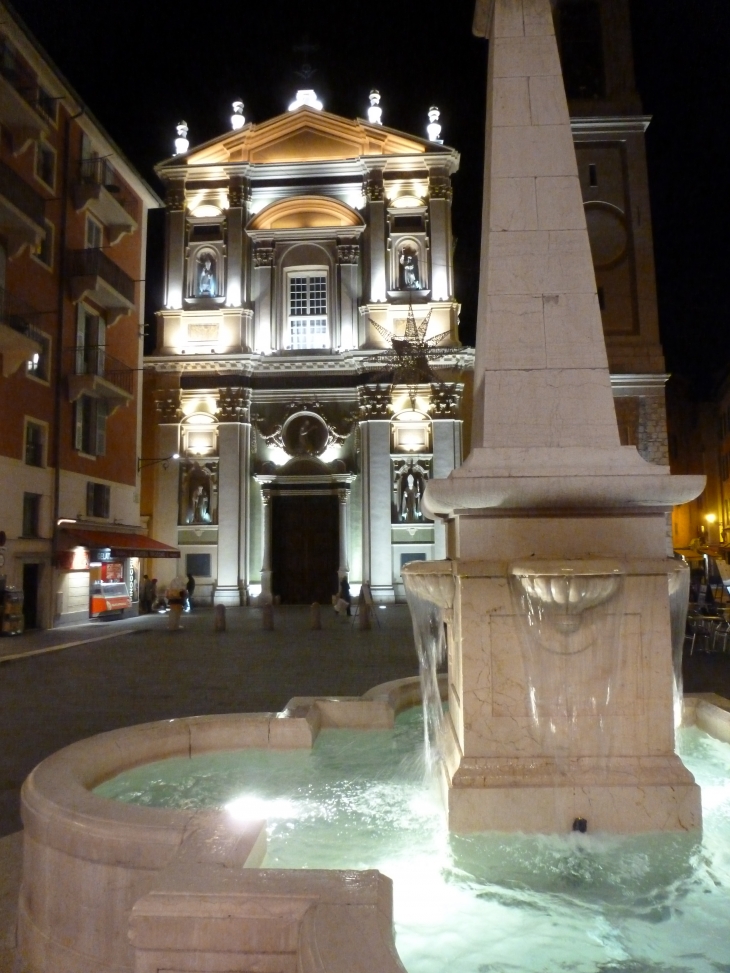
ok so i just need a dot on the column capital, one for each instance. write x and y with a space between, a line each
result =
239 192
375 401
263 255
234 405
167 405
175 195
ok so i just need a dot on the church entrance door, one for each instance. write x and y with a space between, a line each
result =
305 548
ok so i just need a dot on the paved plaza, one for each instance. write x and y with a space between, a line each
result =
138 672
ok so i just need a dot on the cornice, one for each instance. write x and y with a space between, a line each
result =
650 383
352 363
609 124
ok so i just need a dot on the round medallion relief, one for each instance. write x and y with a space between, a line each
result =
607 233
305 434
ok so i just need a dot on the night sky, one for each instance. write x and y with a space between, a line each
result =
142 68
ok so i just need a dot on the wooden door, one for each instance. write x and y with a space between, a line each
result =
305 548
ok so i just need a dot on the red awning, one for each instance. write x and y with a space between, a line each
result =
120 545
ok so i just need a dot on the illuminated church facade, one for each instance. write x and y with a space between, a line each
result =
308 377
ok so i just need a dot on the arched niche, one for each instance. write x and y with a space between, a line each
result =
205 272
409 263
305 212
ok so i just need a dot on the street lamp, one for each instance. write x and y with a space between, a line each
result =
143 461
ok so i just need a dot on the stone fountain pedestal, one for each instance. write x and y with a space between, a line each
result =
537 736
502 772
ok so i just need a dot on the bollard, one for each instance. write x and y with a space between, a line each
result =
219 620
267 617
363 613
315 617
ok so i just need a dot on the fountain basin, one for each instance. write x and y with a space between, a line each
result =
96 871
93 897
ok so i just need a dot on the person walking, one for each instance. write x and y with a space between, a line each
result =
190 589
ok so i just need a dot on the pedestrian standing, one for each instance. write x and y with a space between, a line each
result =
190 588
345 594
145 605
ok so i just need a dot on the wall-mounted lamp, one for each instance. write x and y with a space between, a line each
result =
143 461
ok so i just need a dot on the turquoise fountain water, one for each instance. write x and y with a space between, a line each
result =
488 903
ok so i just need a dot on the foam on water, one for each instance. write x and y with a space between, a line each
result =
489 903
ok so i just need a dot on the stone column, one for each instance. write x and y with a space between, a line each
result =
446 457
166 479
175 244
377 501
261 284
378 284
233 509
266 596
348 259
234 243
439 211
343 495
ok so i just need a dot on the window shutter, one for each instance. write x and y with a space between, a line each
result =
100 416
89 498
79 423
80 340
100 341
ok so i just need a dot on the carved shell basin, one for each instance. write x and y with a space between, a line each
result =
561 592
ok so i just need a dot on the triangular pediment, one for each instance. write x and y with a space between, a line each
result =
308 135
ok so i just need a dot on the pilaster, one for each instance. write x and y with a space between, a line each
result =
377 285
378 566
175 244
261 295
439 209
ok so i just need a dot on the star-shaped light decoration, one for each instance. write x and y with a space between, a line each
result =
410 356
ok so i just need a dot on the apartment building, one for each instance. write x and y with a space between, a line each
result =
73 215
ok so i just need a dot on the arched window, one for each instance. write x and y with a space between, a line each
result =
307 319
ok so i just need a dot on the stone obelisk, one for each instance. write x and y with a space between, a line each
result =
548 483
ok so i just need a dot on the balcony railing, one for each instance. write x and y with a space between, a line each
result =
21 195
99 172
93 262
24 82
93 361
18 315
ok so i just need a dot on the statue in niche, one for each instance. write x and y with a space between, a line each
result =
411 491
197 495
206 274
409 269
201 506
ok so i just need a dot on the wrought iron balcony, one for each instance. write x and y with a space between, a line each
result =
21 211
19 340
98 189
93 274
91 371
